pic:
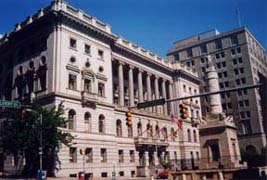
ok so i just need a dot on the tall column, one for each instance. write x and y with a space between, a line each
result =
146 158
213 84
164 96
148 87
171 96
156 82
156 158
131 85
140 86
121 85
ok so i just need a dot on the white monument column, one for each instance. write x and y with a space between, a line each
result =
121 85
131 85
213 84
140 86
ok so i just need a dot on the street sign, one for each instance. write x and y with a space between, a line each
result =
10 104
151 103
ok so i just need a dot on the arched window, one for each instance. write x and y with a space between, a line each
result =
87 122
251 150
101 124
71 119
195 136
119 128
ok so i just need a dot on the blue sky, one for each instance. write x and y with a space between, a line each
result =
155 24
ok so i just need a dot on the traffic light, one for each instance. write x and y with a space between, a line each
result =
183 111
129 118
23 112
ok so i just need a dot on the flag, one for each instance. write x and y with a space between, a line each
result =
178 122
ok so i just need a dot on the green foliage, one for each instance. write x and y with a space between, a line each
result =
21 137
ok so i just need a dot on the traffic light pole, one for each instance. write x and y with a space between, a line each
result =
163 101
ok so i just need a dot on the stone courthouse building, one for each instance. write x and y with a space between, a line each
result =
63 54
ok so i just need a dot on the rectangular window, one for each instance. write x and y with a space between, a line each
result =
234 40
73 43
189 135
101 54
177 56
222 55
238 50
101 89
234 61
246 127
240 60
236 71
73 154
121 158
224 64
103 155
202 60
89 155
225 74
217 56
203 48
132 158
72 82
87 49
189 53
233 51
218 44
87 85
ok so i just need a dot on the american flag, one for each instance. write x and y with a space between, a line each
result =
174 119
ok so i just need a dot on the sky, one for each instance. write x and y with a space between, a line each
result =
155 24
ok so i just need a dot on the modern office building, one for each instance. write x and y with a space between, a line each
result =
240 60
63 54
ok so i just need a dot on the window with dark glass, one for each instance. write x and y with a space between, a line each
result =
73 43
132 158
100 54
203 48
103 155
101 89
177 56
121 158
73 154
189 53
89 155
87 85
72 82
87 49
234 40
218 44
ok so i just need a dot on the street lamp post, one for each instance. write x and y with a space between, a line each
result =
41 142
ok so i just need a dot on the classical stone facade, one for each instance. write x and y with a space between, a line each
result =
62 54
239 60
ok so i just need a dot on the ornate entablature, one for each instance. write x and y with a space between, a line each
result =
76 15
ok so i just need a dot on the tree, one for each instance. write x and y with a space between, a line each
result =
21 138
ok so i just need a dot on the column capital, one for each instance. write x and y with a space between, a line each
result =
121 63
156 76
149 74
140 70
164 80
131 66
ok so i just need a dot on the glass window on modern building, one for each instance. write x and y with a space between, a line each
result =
218 44
234 40
203 49
189 53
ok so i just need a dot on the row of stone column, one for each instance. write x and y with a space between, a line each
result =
140 87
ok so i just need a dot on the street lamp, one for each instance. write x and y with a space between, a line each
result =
41 141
